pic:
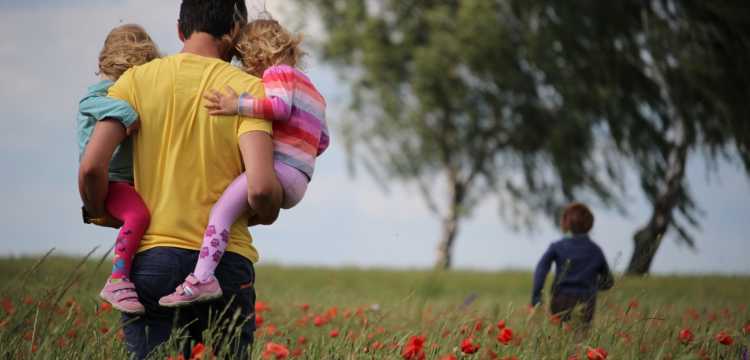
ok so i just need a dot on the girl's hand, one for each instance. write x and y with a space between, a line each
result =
220 103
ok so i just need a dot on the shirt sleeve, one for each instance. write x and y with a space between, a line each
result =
606 281
253 123
278 82
102 107
122 89
540 274
325 139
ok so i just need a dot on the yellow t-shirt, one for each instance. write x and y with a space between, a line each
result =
183 159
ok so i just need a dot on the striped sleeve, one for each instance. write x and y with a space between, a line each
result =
278 82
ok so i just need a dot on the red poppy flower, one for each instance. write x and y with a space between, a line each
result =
501 324
468 346
7 304
104 329
275 351
686 336
296 352
261 307
377 345
301 340
334 333
449 357
505 336
319 321
509 358
478 325
746 329
179 357
258 320
596 354
723 338
414 348
197 352
305 307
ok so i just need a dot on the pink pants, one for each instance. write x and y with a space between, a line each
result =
233 204
124 204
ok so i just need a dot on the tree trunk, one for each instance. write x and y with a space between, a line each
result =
449 230
450 222
648 239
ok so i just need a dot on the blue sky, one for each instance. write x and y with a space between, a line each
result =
48 58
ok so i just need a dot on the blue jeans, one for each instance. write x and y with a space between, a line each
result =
157 272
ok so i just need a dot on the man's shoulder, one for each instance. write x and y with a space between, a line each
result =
235 77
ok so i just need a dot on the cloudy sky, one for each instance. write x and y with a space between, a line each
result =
48 58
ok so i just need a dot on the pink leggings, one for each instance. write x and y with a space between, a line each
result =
231 205
124 204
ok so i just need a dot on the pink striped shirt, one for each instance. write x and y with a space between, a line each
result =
297 109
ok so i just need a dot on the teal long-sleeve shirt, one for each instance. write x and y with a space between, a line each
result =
95 106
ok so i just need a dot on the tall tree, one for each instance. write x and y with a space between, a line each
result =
444 98
666 76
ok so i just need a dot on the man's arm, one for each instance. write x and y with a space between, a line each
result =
264 192
93 175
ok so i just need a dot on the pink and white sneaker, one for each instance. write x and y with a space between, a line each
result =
122 296
192 291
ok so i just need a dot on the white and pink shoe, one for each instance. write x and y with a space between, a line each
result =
122 296
192 291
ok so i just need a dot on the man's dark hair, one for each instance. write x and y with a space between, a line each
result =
215 17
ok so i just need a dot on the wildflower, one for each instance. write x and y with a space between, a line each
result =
505 336
377 345
28 300
258 320
179 357
414 348
297 352
746 329
334 333
468 346
596 354
275 351
319 321
305 307
501 324
301 340
555 319
723 338
7 305
103 329
103 308
478 325
686 336
449 357
261 307
196 353
633 304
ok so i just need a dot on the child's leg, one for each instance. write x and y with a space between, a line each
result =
293 182
231 204
124 204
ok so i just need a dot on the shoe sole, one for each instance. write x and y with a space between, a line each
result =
199 299
121 309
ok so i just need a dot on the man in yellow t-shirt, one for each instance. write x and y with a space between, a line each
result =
183 161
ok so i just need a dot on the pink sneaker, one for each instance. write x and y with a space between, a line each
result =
192 291
122 296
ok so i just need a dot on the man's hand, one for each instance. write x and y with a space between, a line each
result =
222 104
264 191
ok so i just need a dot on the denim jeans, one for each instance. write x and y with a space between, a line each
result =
157 272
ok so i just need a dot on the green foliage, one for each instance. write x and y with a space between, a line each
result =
637 319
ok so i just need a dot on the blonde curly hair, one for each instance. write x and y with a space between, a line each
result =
265 43
126 46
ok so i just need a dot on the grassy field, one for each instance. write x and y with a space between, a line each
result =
50 309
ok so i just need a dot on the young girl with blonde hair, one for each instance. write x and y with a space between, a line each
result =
125 46
300 135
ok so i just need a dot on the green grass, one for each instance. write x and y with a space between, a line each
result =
50 309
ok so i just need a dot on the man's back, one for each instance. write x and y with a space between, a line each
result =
184 158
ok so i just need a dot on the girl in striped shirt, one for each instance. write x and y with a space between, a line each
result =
300 135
